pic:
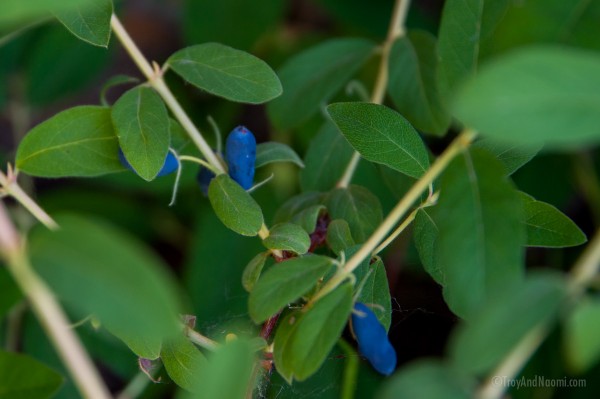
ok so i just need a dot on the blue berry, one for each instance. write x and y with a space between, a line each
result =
240 154
204 177
372 339
170 165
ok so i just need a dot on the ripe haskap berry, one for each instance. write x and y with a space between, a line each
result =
204 177
169 166
372 339
240 154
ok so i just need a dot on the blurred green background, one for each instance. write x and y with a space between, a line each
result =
45 69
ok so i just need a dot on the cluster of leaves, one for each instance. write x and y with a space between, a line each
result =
471 242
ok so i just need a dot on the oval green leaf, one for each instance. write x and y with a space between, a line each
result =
546 226
426 235
512 156
297 204
77 142
234 206
271 152
339 237
90 22
141 122
232 362
253 270
481 235
458 42
21 376
512 101
19 11
374 289
413 82
288 237
183 362
582 342
381 135
226 72
307 219
147 346
477 348
310 78
326 159
305 337
86 259
357 206
284 283
430 379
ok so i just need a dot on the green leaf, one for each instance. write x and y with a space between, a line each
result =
413 82
86 259
357 206
284 283
270 152
77 142
396 182
226 72
114 81
10 294
19 11
288 237
184 363
480 231
339 237
381 135
90 23
305 337
234 206
551 25
147 346
458 42
232 362
512 156
510 99
375 289
477 347
429 379
426 235
297 204
312 77
21 376
141 121
582 342
326 159
308 218
253 270
546 226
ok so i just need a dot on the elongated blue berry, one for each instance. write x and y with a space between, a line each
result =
372 339
240 154
171 164
204 177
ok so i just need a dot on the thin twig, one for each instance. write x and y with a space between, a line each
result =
12 188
